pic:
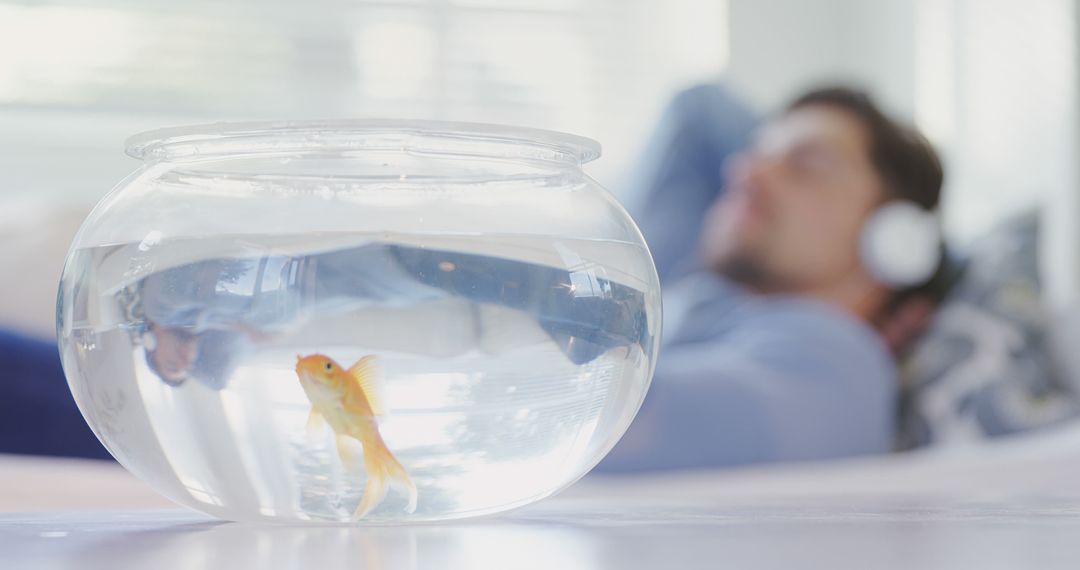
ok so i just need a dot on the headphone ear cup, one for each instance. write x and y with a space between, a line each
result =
149 341
900 244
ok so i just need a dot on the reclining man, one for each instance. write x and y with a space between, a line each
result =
810 275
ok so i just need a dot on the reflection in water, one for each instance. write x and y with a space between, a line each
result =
197 320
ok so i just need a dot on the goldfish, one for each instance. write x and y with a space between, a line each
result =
348 400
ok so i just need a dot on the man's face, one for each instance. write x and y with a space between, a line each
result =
174 354
795 203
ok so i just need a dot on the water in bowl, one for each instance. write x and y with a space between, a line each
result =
507 364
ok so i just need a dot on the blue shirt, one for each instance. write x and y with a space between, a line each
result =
745 378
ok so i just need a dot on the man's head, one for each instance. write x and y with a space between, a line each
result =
796 202
173 354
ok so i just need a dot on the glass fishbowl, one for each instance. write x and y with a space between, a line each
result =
352 322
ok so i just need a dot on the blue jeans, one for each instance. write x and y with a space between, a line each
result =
38 416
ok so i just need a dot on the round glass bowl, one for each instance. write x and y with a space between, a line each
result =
347 322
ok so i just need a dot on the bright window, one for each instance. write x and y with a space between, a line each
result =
76 77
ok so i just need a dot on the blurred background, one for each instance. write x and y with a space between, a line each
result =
994 84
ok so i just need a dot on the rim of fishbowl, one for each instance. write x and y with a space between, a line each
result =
191 140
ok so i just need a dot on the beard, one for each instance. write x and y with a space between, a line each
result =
749 271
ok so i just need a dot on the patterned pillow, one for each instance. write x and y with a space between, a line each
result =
984 367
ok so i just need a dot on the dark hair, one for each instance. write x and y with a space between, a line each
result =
909 167
903 158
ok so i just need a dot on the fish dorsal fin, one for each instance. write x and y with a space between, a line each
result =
366 372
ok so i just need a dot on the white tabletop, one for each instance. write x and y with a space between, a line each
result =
1014 505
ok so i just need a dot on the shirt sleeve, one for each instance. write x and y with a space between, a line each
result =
789 386
680 173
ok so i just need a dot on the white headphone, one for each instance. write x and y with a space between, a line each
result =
900 244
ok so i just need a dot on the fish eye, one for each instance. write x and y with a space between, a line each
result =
329 366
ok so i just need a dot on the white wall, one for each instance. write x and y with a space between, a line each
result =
997 89
1060 259
781 47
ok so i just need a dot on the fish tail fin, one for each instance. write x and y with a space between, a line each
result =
399 478
383 471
